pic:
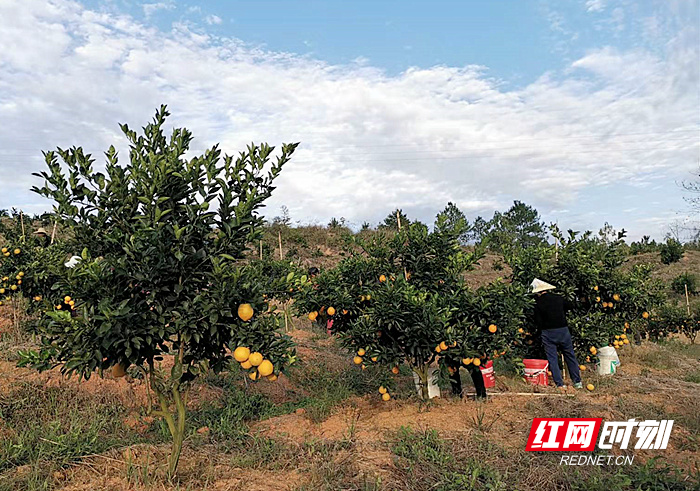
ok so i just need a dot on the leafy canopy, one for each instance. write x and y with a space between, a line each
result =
160 238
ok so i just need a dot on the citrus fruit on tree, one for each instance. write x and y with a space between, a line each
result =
266 368
241 354
255 359
245 312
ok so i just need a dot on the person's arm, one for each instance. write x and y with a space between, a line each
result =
568 305
538 317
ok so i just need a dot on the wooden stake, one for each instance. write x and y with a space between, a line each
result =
261 249
398 221
279 238
687 302
563 367
53 232
21 219
532 394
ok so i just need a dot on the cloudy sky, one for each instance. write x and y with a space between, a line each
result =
587 109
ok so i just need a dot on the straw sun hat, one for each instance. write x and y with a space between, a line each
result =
538 286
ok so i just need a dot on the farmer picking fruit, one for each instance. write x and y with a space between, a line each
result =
550 319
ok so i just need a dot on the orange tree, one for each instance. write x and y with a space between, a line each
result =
161 287
25 259
671 319
609 301
401 298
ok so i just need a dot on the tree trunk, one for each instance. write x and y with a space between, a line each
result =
179 435
422 372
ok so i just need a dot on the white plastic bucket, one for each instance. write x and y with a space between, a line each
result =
608 361
433 389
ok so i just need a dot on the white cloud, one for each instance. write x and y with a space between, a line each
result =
370 141
151 8
595 5
213 20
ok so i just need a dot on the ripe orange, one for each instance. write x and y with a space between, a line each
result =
597 299
595 288
626 341
331 311
66 299
374 358
246 365
443 346
245 312
593 350
272 377
395 370
521 330
313 315
466 361
645 315
17 251
266 368
382 390
476 362
253 375
241 354
345 312
386 397
582 368
590 387
492 328
357 360
361 352
616 297
255 359
382 278
437 349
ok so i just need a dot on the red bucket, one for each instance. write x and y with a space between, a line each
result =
487 374
536 371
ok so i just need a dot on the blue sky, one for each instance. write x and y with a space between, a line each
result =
517 40
586 109
511 38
